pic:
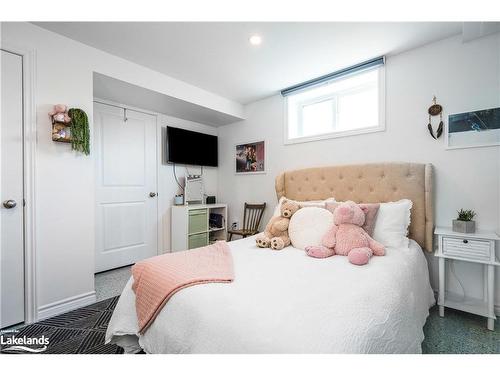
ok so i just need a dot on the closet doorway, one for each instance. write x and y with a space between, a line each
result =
12 294
126 186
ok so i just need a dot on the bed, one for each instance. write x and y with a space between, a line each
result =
285 302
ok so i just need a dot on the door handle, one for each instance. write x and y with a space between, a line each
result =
152 195
9 204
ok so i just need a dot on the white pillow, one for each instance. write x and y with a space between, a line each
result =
302 204
308 226
391 225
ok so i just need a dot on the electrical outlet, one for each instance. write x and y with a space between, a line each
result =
235 224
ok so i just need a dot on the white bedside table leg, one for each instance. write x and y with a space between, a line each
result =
491 296
491 324
441 286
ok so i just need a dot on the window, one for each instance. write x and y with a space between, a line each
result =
346 104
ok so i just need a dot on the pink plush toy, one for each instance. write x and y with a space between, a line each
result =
60 114
346 237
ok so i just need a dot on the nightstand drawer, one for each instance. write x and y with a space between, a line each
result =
466 248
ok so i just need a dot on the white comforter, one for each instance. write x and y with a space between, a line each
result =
286 302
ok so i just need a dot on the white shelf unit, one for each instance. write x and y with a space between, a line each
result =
190 226
478 247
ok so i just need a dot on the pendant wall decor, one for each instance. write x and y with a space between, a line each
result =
435 110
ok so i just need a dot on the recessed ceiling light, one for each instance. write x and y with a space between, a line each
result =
255 40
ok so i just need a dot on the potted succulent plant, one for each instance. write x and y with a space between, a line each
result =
464 223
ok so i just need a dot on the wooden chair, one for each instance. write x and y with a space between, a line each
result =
251 221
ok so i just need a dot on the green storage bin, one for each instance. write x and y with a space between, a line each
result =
198 240
198 221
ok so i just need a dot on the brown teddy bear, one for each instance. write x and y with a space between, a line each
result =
275 235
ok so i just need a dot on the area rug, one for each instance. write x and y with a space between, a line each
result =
80 331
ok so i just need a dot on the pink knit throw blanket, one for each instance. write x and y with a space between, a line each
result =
157 279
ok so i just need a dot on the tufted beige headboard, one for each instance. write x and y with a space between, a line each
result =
369 183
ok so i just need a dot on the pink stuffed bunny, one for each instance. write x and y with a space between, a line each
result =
346 237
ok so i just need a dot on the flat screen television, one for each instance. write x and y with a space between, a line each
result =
191 148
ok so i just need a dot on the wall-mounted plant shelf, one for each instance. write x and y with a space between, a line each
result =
71 126
61 132
63 140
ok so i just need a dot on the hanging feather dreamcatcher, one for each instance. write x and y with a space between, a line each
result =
435 110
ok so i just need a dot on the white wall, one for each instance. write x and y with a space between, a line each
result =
167 187
463 77
64 179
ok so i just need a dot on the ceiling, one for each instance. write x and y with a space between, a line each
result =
218 57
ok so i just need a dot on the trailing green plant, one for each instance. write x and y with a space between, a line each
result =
80 131
466 215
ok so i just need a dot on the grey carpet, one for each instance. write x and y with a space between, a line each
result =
111 283
83 331
459 333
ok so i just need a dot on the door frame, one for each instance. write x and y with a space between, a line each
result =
159 231
29 177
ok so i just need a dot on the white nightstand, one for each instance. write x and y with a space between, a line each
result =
476 247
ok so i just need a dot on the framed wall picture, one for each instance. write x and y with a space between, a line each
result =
473 129
250 158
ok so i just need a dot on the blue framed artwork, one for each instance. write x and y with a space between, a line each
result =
474 129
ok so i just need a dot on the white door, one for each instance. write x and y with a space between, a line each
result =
11 191
127 213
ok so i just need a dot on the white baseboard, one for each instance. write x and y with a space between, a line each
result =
65 305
